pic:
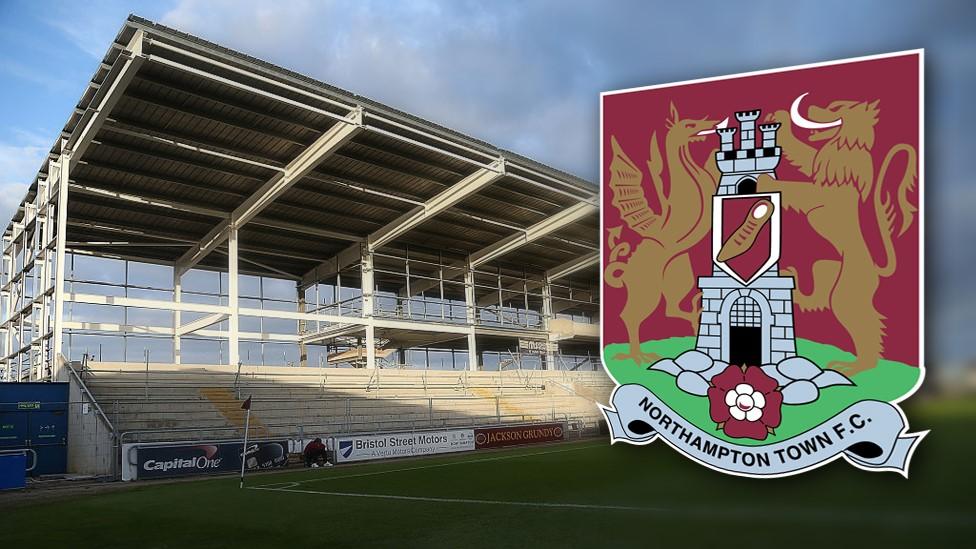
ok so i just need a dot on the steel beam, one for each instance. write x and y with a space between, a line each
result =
331 332
179 240
328 142
113 328
177 206
335 264
440 202
338 322
182 142
566 217
249 74
201 323
121 74
572 266
146 201
211 117
95 299
562 219
566 304
410 220
320 177
279 118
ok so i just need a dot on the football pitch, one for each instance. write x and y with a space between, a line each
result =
573 494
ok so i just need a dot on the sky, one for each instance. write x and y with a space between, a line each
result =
526 76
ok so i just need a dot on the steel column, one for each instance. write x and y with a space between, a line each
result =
233 329
62 228
547 316
368 287
472 314
302 328
177 315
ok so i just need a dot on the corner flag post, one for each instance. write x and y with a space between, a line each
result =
247 427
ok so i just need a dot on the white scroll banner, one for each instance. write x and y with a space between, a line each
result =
870 434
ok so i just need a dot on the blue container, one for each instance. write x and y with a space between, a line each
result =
13 471
35 416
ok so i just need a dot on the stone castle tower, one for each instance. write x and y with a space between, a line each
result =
741 323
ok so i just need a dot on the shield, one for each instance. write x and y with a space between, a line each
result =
752 346
746 234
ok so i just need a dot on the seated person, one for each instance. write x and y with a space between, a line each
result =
313 451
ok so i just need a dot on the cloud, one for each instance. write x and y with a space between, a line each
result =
457 64
33 76
526 76
20 157
91 28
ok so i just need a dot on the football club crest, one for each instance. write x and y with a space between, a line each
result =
762 265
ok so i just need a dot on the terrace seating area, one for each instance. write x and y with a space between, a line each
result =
203 402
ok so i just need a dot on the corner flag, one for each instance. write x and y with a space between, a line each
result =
247 427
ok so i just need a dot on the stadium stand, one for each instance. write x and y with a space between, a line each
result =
236 224
202 402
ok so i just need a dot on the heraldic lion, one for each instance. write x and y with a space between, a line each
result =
842 177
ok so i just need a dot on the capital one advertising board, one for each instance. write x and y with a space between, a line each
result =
176 460
360 448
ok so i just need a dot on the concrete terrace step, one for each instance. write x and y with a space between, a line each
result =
225 402
193 401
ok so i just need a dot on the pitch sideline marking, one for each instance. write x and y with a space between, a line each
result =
467 500
740 513
291 487
433 466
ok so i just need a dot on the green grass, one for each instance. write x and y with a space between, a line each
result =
889 381
681 503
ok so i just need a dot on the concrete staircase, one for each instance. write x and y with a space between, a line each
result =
226 402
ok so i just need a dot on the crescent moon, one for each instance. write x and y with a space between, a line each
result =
802 122
720 125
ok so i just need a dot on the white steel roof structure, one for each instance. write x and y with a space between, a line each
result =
184 153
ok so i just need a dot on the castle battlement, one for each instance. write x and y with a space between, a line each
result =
727 135
752 156
746 116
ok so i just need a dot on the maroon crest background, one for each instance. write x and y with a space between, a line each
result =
632 116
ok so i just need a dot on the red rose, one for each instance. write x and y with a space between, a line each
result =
744 402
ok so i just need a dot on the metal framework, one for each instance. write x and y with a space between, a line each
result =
396 233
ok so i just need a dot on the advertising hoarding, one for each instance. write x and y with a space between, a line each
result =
166 461
392 445
499 437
